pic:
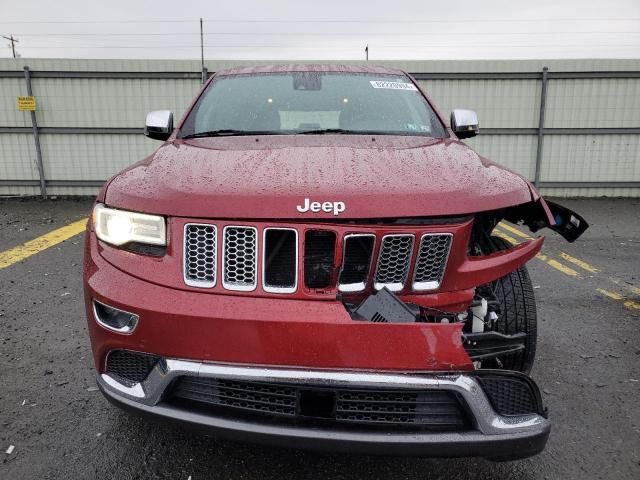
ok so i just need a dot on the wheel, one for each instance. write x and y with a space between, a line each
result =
518 314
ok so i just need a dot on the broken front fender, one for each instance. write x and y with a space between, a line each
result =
542 213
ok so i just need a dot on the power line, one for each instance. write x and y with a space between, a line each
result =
470 20
168 47
167 34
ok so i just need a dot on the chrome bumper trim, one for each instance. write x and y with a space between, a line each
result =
486 420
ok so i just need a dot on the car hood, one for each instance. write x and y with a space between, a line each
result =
269 176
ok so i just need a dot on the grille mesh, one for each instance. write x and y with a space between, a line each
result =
431 261
508 395
200 255
240 255
258 397
130 367
434 408
394 261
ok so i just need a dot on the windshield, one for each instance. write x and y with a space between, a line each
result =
312 103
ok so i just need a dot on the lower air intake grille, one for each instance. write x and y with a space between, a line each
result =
240 258
432 260
130 367
511 395
433 409
394 262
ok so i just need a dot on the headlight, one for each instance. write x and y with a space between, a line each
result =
119 227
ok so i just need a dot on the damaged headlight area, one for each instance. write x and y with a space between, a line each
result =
138 232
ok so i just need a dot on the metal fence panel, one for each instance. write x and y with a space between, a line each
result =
92 156
10 89
517 152
17 157
499 103
82 102
591 158
593 103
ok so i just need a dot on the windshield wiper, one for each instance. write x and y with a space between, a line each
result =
229 132
322 131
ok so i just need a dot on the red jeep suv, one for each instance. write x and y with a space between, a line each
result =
308 261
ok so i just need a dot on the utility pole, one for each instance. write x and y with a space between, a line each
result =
202 52
366 53
13 44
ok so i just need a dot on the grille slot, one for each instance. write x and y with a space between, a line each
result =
252 396
200 245
394 262
434 409
319 258
239 261
130 367
432 260
280 260
356 262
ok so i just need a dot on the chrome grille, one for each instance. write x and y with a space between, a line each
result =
354 272
280 260
394 262
239 261
357 252
432 260
200 255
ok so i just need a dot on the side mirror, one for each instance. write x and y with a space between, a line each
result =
464 123
159 124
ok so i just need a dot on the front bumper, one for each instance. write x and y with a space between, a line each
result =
489 434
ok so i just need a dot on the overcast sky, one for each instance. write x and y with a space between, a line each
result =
323 29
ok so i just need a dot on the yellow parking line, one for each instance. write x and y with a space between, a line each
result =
515 231
549 261
615 296
16 254
506 237
563 268
580 263
630 304
625 285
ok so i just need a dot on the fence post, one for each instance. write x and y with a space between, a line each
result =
205 75
543 106
36 136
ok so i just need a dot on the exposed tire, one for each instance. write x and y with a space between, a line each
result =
518 314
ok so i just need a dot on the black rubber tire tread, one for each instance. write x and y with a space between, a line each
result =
515 294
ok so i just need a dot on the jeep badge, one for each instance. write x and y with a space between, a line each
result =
336 207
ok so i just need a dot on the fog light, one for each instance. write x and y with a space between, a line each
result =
114 319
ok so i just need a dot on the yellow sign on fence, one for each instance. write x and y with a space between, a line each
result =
27 104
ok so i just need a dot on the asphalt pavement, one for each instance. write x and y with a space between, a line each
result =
62 428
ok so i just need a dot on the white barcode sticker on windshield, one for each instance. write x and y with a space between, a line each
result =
393 85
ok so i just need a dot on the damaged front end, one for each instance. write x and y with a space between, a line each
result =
485 288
